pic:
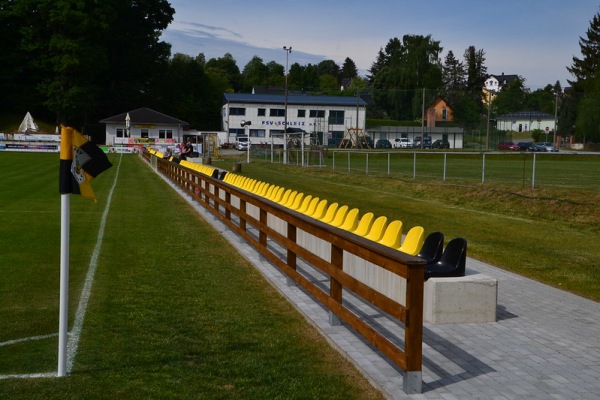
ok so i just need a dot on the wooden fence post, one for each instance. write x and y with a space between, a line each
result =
413 330
335 287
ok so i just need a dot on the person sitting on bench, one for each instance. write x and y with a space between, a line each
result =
187 150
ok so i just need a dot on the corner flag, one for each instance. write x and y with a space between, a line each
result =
80 162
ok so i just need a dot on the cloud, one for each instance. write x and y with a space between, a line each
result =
194 38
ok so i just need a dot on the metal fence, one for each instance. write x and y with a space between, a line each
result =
580 170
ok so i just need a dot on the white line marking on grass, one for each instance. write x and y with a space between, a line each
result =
15 341
29 376
73 343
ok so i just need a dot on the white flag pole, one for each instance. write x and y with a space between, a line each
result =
63 319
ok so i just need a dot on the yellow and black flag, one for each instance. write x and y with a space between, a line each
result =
80 162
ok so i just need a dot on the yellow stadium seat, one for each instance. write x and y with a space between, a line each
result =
330 213
319 211
413 242
297 201
278 194
338 218
364 225
258 187
263 189
285 197
251 184
290 199
312 206
269 191
392 236
304 205
377 229
351 221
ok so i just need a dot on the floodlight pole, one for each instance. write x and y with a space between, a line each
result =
287 50
246 126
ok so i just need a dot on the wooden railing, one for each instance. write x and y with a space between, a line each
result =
280 235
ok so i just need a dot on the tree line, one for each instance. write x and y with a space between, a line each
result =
78 61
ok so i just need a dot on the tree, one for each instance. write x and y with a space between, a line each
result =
328 67
275 74
453 78
476 69
542 100
226 69
511 98
349 70
588 118
254 74
586 86
89 57
401 70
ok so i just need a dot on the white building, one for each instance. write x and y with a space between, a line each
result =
325 118
495 83
145 126
526 121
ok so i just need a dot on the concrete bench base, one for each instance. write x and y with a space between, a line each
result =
468 299
197 160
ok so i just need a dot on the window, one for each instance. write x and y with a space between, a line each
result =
336 117
301 113
257 133
262 112
277 112
144 133
316 114
120 132
444 114
237 111
165 134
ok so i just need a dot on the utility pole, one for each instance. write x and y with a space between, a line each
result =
287 50
555 116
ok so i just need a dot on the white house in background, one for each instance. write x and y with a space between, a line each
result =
495 83
326 118
525 121
146 126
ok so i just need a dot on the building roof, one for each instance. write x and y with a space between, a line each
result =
505 80
144 116
526 115
293 99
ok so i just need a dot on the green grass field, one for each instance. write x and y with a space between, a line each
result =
174 311
580 171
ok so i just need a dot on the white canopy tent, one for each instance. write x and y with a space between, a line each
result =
28 124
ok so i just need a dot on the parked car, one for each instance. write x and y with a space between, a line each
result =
403 143
242 143
383 144
426 143
508 146
546 146
525 146
440 144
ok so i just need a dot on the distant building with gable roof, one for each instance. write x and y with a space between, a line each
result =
495 83
146 126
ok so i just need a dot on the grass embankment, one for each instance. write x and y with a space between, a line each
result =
550 235
174 311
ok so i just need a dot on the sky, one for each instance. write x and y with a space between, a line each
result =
536 39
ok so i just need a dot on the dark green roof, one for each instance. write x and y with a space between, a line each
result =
248 98
144 116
